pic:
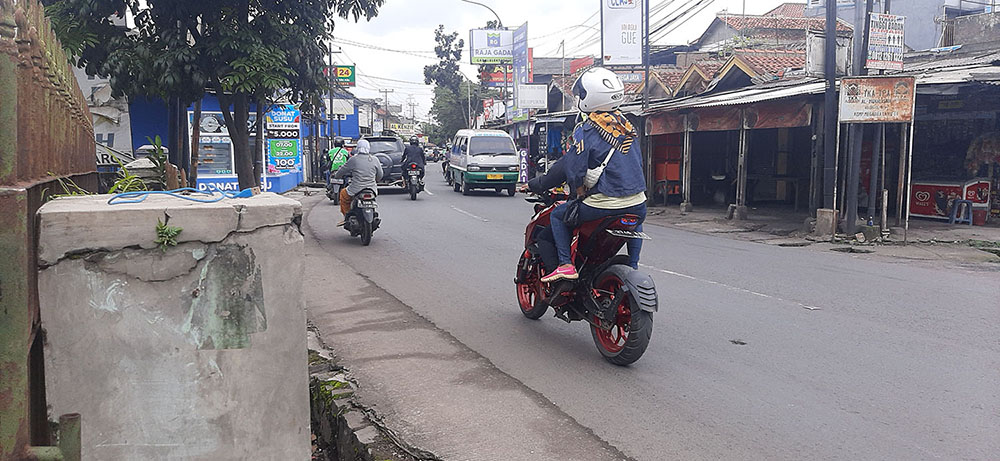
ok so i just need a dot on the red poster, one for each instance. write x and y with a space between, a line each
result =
933 200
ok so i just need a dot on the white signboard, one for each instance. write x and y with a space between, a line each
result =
885 42
621 32
341 106
533 96
491 46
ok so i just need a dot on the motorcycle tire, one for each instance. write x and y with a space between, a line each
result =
628 339
528 297
366 233
413 191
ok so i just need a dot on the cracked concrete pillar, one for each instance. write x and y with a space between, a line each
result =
195 351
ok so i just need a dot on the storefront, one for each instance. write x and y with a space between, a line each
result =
281 153
955 151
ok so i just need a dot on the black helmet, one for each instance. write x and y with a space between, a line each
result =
414 141
338 141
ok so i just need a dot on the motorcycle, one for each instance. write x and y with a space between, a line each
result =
413 182
333 187
617 301
363 220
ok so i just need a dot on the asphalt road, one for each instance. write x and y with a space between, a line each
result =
758 351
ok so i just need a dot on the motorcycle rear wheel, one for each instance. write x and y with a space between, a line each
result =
413 191
529 291
366 232
628 338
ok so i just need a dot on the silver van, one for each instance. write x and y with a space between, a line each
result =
483 159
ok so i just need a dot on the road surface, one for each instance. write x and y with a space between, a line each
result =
758 351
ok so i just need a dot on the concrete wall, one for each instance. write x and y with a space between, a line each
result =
196 352
977 28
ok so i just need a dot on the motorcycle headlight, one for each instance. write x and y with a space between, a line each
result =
473 167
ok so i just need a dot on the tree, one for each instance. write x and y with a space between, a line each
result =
244 50
449 50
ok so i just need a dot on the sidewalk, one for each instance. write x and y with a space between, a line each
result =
929 241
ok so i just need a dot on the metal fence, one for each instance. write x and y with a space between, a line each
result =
46 139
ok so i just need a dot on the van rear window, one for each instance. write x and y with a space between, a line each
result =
483 145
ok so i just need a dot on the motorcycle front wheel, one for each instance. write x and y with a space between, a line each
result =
629 335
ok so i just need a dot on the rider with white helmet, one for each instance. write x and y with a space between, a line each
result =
604 166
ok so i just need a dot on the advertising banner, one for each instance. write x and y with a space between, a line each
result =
493 75
533 96
522 169
344 75
491 46
522 72
877 99
885 42
282 155
283 117
621 32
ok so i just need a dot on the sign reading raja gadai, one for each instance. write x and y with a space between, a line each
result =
877 99
491 46
621 32
885 42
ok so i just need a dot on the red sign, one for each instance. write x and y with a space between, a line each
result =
493 75
580 63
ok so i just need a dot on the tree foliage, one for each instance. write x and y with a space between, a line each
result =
453 93
449 50
244 50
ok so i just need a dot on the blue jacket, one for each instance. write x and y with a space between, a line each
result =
622 177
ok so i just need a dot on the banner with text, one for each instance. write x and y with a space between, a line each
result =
885 42
491 46
621 32
877 99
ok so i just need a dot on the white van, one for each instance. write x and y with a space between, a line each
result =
483 159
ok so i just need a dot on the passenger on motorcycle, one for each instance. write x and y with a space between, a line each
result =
414 154
365 171
621 187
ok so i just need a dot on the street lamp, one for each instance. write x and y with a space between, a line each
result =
499 22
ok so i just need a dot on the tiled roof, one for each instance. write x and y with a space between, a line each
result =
789 10
772 61
669 76
742 22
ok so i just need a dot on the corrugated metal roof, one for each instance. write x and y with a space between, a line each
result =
749 95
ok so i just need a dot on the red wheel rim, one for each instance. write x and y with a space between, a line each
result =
613 340
527 290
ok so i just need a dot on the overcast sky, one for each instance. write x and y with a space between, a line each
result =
408 25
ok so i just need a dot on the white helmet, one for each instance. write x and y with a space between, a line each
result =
598 90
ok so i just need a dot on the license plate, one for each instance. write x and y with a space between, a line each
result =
494 176
336 181
414 173
368 204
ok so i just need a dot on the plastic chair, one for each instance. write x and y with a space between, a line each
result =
966 207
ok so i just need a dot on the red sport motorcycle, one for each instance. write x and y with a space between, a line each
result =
617 301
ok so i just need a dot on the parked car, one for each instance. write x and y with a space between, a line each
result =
483 159
389 151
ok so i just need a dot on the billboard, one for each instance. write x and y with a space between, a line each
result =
877 99
885 42
491 46
493 75
283 117
621 32
533 96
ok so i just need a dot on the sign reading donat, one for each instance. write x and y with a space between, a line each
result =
877 99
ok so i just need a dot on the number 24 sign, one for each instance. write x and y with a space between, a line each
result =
345 75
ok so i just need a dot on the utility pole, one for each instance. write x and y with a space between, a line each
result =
645 58
385 94
409 102
830 107
853 176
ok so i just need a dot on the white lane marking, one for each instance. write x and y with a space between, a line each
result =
428 191
453 207
729 287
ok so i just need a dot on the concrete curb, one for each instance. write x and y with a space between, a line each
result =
343 429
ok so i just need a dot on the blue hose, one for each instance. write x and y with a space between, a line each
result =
193 195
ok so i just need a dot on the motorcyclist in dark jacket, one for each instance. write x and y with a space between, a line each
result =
414 154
